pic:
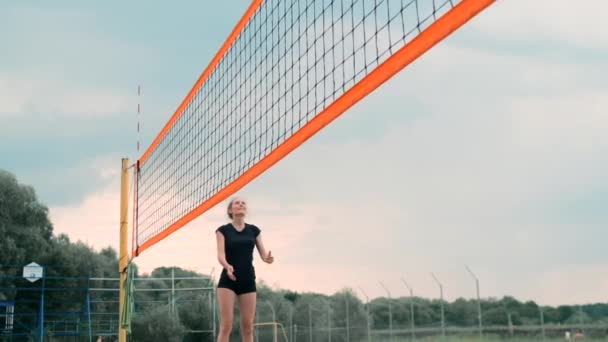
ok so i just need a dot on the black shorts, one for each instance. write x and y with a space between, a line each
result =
242 285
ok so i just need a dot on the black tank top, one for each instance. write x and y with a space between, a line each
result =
238 247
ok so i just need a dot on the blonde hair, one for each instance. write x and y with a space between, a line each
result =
230 207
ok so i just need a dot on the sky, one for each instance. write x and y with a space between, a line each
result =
489 151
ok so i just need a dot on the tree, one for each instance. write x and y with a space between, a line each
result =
550 315
312 310
530 312
157 324
565 312
426 312
379 311
461 313
26 236
291 296
596 311
24 225
195 314
579 317
356 315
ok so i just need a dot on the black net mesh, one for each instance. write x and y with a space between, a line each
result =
292 59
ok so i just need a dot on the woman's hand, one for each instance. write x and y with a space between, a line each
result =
221 256
266 257
269 259
230 272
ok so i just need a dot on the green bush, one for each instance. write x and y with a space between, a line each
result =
157 324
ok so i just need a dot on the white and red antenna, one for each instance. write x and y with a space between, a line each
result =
138 116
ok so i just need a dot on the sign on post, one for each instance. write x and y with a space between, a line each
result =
32 272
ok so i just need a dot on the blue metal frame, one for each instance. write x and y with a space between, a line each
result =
59 309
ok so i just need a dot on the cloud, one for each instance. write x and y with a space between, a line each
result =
578 25
481 127
471 177
341 260
64 66
578 283
64 61
86 176
94 221
469 156
197 239
23 96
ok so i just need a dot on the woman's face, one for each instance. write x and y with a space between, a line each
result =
238 208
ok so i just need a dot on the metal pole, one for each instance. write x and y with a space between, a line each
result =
41 321
478 301
309 323
274 320
542 321
369 334
172 290
214 296
212 276
89 308
329 320
123 257
208 294
390 312
257 336
291 323
509 321
441 303
347 321
214 314
412 322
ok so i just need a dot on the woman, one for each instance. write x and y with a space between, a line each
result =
235 243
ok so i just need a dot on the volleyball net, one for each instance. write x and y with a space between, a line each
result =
288 68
